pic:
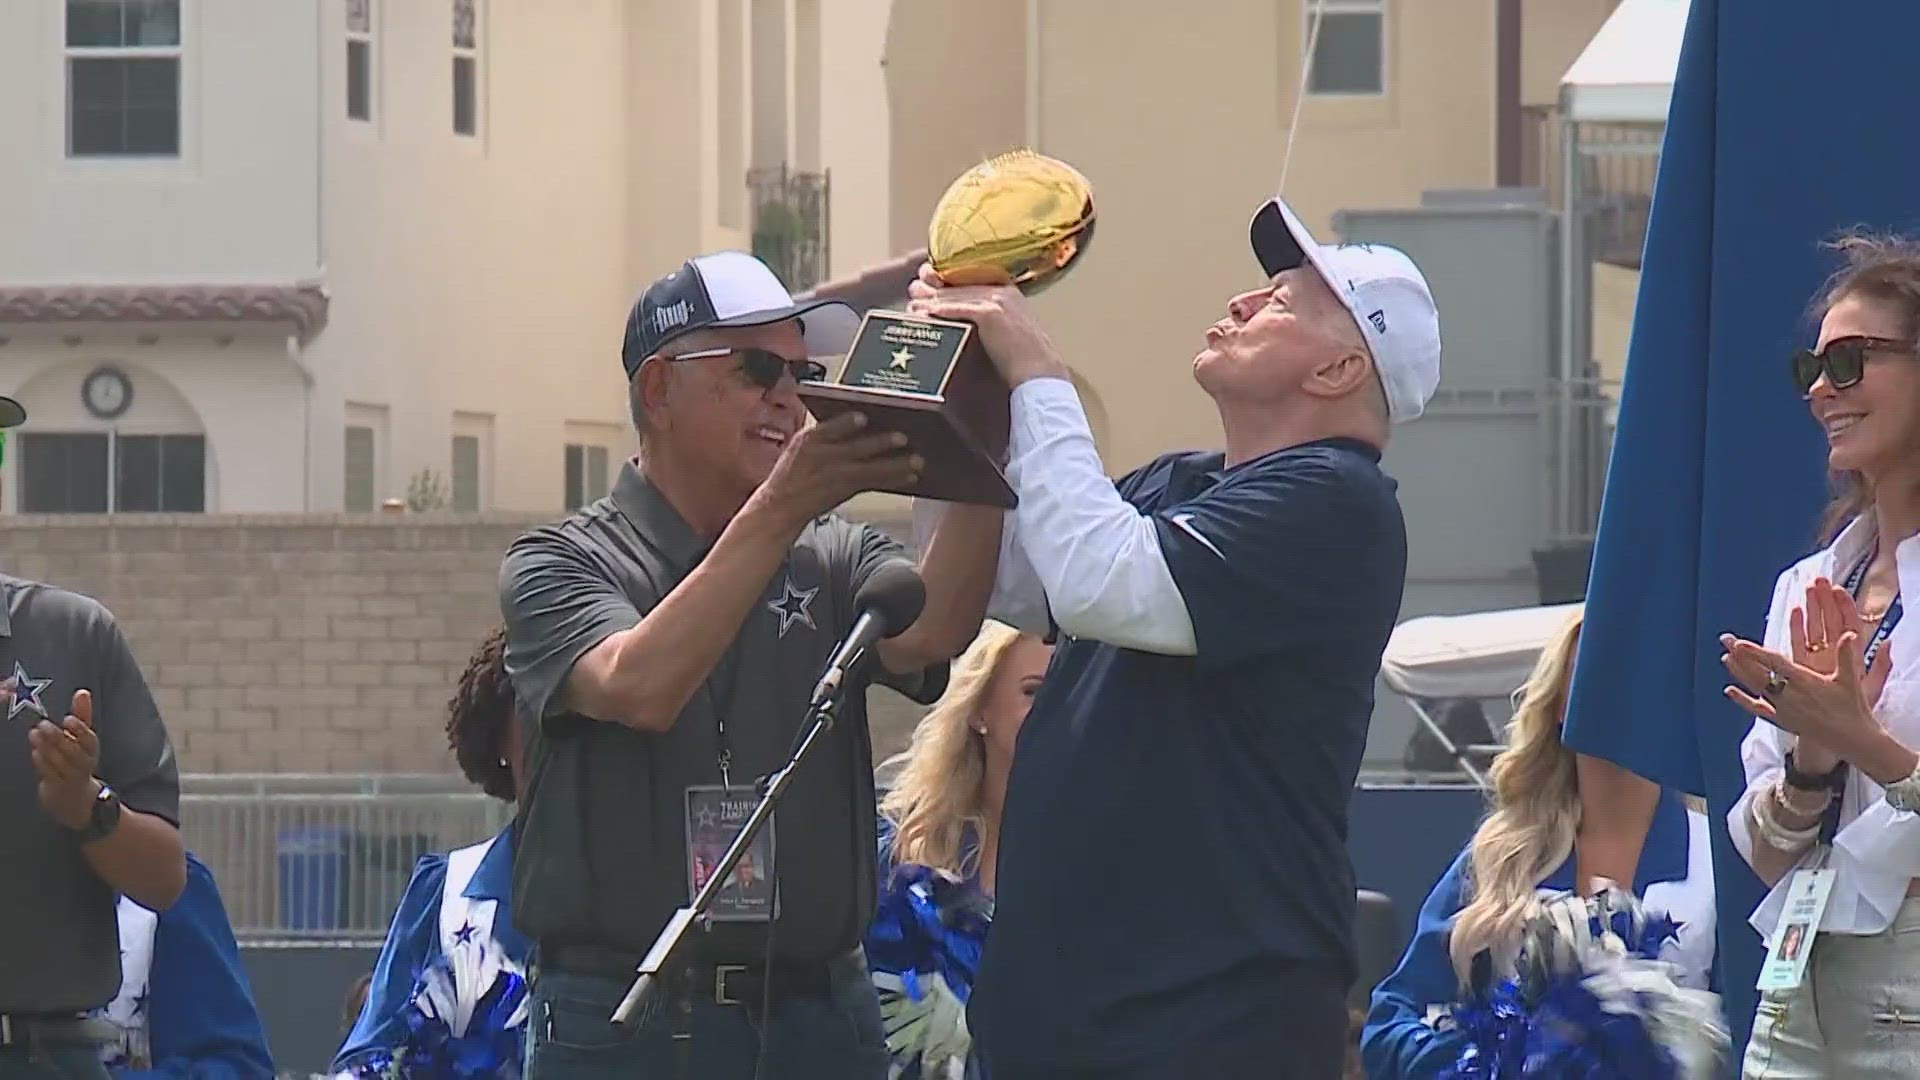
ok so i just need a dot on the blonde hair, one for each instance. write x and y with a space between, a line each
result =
940 791
1535 816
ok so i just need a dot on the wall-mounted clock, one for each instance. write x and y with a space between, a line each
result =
107 393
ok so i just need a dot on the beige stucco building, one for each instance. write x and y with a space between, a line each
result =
290 256
1179 116
297 255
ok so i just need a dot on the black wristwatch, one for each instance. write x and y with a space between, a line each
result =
1806 781
105 816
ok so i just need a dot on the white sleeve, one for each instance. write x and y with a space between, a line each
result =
1017 600
1763 753
1097 558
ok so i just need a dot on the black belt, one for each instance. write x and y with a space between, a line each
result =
24 1032
748 983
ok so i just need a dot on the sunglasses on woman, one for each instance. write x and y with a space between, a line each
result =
763 368
1844 360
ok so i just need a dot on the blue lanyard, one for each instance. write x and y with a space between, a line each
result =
1855 580
1830 821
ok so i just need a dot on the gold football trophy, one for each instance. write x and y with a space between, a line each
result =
1019 219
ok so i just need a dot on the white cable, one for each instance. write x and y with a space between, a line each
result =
1319 8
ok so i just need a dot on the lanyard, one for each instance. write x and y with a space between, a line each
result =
722 670
1855 581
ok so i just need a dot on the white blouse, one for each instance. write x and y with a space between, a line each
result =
1877 850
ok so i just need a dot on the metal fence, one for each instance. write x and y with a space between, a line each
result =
1613 188
310 858
791 228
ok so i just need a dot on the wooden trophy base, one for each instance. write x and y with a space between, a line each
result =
958 468
929 380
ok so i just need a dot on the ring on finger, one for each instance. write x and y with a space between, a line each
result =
1816 646
1775 683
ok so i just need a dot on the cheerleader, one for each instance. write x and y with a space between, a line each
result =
448 995
185 1010
939 833
1505 935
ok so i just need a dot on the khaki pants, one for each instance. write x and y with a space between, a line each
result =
1856 1014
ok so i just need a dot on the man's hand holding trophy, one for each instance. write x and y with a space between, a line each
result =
940 371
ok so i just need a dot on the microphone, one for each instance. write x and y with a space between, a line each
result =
889 602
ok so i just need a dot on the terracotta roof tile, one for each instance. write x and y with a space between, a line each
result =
303 305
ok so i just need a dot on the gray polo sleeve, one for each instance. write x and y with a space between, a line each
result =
558 602
871 549
136 755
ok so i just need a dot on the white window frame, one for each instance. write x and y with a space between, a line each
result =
476 55
111 435
369 37
374 417
589 437
479 428
1308 8
176 52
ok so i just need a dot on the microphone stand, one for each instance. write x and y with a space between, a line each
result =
820 719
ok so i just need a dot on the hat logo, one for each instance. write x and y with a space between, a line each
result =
1379 320
668 316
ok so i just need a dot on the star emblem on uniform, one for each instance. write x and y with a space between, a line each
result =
464 935
902 358
140 1002
24 692
792 607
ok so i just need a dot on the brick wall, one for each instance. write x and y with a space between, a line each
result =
307 643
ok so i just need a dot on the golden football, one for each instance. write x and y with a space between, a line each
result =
1019 218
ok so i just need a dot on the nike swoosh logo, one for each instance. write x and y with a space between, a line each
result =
1184 522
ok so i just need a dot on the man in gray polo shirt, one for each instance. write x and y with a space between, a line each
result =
666 638
90 795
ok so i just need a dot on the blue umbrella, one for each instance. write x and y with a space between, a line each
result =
1789 124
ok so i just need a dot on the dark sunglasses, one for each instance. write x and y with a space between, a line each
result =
762 368
1844 360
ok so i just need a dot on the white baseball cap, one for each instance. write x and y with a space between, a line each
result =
728 289
1382 288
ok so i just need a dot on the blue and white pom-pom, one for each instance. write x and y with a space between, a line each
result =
1592 1001
924 948
466 1021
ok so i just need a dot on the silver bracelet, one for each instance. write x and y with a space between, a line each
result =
1905 794
1776 835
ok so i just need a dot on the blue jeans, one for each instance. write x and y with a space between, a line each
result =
61 1064
837 1037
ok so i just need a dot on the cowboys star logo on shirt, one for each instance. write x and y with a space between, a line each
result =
793 606
23 692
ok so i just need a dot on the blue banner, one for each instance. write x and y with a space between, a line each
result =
1790 123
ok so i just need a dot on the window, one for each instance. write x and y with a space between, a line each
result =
359 59
89 473
466 63
466 472
586 474
123 78
1349 56
358 468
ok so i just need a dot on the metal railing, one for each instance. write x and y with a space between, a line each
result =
307 858
1580 427
790 223
1616 166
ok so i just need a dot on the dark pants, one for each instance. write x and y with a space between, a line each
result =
52 1064
681 1037
1302 1037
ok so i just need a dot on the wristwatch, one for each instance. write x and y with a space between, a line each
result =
1905 794
1806 781
105 816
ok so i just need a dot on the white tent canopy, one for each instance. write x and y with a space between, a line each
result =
1487 654
1625 74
